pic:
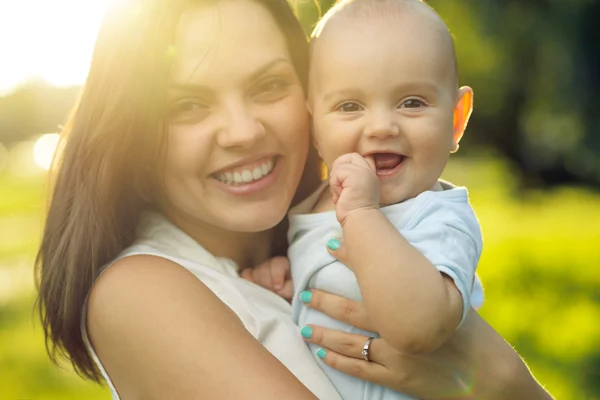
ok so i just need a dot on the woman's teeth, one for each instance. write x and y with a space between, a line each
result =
246 175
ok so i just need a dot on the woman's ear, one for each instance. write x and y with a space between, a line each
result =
462 113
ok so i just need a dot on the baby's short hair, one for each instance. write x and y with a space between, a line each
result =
363 9
378 9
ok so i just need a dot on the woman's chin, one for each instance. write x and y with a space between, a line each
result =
246 219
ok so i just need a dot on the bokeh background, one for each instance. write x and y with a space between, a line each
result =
530 158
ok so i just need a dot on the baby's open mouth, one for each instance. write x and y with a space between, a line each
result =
385 162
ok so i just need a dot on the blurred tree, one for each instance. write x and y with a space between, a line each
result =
34 108
535 69
534 66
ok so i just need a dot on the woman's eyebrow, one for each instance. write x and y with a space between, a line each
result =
197 89
267 66
190 88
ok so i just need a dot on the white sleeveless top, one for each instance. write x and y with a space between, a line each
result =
264 314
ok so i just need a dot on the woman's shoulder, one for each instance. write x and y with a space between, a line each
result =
139 296
151 313
137 283
142 281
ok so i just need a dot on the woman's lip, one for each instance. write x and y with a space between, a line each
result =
389 172
245 163
253 187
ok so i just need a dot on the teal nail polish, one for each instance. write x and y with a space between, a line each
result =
321 353
306 331
333 244
306 296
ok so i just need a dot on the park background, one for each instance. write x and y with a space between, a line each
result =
530 159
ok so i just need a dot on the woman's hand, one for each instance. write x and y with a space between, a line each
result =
475 363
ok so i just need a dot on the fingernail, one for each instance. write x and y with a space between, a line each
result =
321 353
333 244
306 331
306 296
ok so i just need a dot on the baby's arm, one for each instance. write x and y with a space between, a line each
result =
414 306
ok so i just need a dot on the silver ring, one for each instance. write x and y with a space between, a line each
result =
366 348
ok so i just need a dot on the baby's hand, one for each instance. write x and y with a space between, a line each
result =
354 185
274 275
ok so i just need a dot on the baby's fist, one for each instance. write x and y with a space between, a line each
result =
354 185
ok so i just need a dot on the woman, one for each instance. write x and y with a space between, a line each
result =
192 128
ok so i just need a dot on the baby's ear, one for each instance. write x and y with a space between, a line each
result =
462 113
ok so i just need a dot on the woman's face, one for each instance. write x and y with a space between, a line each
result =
238 126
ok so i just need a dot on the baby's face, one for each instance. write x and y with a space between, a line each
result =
386 88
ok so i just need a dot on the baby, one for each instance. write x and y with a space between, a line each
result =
387 112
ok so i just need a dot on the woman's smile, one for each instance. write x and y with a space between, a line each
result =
250 178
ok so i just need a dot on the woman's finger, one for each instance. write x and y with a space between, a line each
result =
360 369
347 344
350 311
335 247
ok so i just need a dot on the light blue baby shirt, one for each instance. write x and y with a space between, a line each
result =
440 224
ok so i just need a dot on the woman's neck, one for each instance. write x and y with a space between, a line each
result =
246 249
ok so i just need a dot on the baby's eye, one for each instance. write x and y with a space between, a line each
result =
349 107
412 103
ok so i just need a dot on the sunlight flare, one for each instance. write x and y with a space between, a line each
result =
43 150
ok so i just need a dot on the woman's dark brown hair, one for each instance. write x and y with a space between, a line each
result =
109 163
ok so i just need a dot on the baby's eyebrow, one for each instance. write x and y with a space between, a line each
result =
343 93
425 85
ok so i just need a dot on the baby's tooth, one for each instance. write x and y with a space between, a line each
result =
264 168
229 176
246 176
257 173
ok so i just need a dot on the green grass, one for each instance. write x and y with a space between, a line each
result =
25 370
539 268
540 271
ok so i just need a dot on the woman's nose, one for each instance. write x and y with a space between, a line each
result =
241 129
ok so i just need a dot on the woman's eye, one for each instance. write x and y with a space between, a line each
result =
412 103
270 86
186 109
271 90
187 106
349 107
